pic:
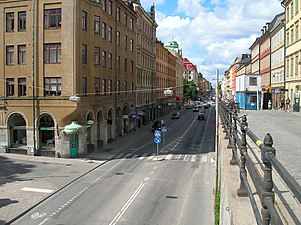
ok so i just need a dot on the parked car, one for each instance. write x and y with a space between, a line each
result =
156 125
175 115
201 116
206 106
195 109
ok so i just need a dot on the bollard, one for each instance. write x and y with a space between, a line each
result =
234 133
227 136
230 145
242 191
267 191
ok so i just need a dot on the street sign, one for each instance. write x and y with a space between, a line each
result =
157 133
164 129
157 140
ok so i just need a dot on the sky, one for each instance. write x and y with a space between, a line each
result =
212 33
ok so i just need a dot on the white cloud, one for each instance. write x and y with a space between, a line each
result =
212 36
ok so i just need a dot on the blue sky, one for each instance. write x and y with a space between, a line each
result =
212 33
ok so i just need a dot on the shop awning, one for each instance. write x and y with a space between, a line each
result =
74 127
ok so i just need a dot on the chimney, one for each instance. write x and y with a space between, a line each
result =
265 28
262 31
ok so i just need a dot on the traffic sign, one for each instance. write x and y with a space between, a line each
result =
157 140
157 133
164 129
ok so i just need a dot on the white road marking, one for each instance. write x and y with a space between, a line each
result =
204 158
168 156
127 204
143 156
185 158
47 191
193 158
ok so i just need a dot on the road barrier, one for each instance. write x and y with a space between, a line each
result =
260 169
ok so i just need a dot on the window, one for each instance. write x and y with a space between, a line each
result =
292 36
104 61
104 86
118 38
118 14
96 24
296 65
125 84
132 66
287 14
125 65
297 6
132 45
97 86
125 41
132 24
52 53
110 33
110 87
10 87
110 7
84 20
84 54
292 10
132 87
10 55
22 21
125 19
297 32
96 56
22 54
10 22
118 87
292 66
21 87
104 30
53 86
84 86
253 81
110 61
253 99
52 18
287 67
118 63
104 5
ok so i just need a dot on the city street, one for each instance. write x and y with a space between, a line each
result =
138 187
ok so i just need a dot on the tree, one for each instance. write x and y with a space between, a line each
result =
189 90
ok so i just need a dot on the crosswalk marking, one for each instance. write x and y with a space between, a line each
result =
170 156
41 190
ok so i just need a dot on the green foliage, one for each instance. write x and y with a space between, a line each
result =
189 90
217 203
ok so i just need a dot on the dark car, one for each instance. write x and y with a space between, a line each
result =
175 115
206 106
201 116
156 125
195 109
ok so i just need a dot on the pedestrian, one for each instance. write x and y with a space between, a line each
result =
287 103
270 104
281 104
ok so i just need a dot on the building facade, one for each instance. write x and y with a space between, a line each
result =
146 64
277 59
70 76
292 52
166 79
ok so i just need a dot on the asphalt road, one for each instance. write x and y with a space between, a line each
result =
140 187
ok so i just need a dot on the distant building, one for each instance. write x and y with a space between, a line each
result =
190 71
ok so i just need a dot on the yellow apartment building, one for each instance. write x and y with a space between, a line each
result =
292 51
67 75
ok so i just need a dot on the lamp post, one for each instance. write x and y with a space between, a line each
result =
216 132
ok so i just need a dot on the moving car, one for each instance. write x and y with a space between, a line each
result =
156 125
201 116
195 109
175 115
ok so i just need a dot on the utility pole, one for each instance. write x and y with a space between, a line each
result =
216 132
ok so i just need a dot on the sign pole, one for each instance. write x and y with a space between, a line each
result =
157 149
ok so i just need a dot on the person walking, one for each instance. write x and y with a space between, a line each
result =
287 103
281 104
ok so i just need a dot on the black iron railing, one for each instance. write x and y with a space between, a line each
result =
262 177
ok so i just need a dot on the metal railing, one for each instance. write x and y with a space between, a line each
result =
262 177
